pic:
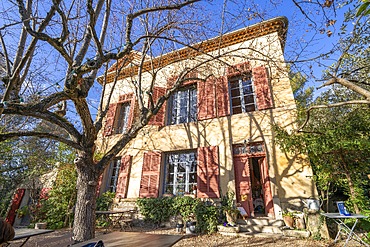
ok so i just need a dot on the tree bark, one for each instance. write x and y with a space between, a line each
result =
87 177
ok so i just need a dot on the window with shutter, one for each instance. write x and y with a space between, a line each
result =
249 89
120 115
180 173
123 177
208 172
149 185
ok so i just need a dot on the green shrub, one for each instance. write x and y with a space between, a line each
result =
104 202
158 210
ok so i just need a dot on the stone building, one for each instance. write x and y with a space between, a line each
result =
215 133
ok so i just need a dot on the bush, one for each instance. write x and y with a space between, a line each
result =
158 210
104 202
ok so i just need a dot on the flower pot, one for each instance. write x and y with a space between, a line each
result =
289 221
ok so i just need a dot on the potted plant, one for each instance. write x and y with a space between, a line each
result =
232 214
288 218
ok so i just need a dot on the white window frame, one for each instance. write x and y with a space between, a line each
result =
175 114
113 174
190 169
243 104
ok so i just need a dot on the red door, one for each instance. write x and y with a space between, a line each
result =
243 184
266 187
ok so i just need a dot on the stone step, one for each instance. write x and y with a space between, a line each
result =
254 234
261 221
260 229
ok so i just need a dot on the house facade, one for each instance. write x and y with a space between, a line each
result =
215 133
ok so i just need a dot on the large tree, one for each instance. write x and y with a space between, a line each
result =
52 52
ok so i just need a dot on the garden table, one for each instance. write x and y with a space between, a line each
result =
27 233
343 228
121 218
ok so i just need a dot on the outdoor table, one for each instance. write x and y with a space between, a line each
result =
121 218
339 219
27 233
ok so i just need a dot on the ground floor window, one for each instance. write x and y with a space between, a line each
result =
113 174
181 173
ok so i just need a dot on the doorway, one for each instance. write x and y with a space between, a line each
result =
252 182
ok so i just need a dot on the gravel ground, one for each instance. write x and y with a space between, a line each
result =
62 238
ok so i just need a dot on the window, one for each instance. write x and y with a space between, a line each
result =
242 95
180 173
183 106
121 121
113 174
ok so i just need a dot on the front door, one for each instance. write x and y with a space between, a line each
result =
252 181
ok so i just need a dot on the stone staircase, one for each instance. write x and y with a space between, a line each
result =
260 225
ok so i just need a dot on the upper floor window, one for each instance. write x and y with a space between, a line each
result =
242 95
122 116
183 106
113 174
181 173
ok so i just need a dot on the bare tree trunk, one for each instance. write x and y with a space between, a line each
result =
86 198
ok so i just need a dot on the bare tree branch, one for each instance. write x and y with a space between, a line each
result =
10 135
352 102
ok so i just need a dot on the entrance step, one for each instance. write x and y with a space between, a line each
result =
265 221
260 225
259 229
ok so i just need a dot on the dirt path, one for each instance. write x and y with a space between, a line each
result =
63 238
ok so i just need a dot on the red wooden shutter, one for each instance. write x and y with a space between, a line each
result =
109 122
159 118
16 202
222 97
206 99
149 185
262 88
238 69
208 173
123 177
266 187
132 112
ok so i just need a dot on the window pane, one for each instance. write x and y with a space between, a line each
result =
123 111
113 174
181 173
183 106
242 95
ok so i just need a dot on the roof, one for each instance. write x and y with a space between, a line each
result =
278 24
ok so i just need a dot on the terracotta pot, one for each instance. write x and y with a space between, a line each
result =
289 221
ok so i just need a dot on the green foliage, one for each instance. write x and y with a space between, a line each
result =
158 210
364 8
207 218
104 202
57 209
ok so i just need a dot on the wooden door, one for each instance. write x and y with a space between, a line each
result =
266 187
243 183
